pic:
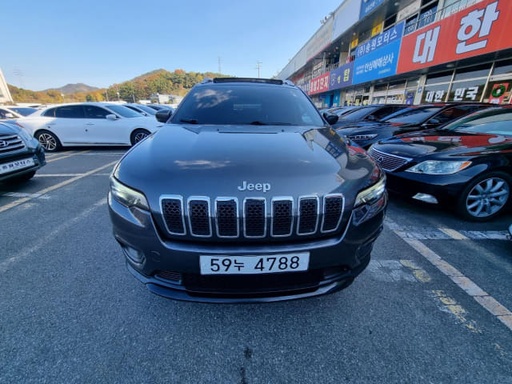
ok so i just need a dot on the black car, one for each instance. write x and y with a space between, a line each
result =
375 112
412 118
246 194
466 165
20 154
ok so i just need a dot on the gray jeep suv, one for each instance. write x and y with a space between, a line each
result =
246 194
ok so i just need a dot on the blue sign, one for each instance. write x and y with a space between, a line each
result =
386 37
367 6
341 77
378 64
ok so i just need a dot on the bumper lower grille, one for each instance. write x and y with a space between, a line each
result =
252 218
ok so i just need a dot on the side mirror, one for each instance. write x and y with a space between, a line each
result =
9 115
431 123
111 117
331 118
163 115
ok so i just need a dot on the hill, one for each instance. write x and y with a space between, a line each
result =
141 87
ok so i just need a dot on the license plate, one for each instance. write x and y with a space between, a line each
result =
15 165
253 265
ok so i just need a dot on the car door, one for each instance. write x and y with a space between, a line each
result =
68 124
103 128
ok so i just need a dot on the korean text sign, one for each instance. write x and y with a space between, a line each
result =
341 77
377 64
479 29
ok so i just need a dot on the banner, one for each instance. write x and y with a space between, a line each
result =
368 6
378 64
341 77
319 84
388 36
477 30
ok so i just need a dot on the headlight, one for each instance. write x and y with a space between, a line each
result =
435 167
371 194
127 196
362 137
25 135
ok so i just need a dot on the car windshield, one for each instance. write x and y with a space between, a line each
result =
149 110
412 116
123 111
24 111
357 114
499 123
247 104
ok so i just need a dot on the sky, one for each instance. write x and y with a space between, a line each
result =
51 43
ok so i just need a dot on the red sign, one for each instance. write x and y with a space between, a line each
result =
319 84
479 29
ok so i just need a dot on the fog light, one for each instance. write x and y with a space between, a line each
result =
133 254
425 198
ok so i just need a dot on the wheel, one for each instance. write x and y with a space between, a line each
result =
485 197
48 141
139 135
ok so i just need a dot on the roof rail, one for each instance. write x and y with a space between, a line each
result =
246 80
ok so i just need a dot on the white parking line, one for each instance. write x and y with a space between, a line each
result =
49 238
54 187
472 289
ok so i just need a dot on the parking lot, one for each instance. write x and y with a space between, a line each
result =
434 305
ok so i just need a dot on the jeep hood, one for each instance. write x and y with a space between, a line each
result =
215 160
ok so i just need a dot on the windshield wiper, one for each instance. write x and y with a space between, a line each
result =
257 122
189 121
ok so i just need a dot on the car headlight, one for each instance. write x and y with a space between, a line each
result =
127 196
436 167
372 194
362 137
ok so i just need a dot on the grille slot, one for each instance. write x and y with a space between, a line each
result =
308 215
199 217
10 143
387 161
254 215
224 217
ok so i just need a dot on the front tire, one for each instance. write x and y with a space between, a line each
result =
48 141
139 135
485 197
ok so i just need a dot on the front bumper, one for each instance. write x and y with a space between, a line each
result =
171 268
37 155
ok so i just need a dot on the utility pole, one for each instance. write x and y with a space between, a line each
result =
258 66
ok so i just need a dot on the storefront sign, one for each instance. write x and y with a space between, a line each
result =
377 64
319 84
341 77
388 36
479 29
498 93
368 6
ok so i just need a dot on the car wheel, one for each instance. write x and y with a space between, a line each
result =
485 197
48 141
138 135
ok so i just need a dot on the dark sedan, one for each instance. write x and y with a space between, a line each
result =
20 154
374 112
412 118
466 164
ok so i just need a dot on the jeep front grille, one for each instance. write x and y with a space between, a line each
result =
252 218
387 161
10 143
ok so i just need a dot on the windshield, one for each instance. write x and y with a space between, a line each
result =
359 113
123 111
247 104
24 111
413 115
498 122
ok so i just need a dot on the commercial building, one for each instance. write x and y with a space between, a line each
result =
408 51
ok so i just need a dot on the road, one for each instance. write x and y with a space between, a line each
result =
434 306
